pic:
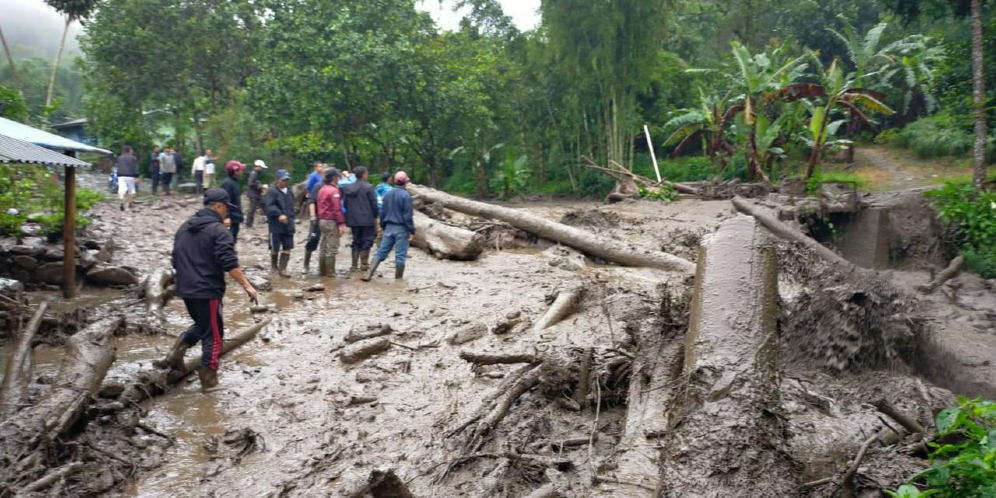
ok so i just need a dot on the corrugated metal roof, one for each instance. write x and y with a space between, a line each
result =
16 151
74 122
25 133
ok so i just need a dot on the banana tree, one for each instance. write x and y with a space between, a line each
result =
764 79
863 51
911 70
839 92
706 124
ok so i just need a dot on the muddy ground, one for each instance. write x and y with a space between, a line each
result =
294 420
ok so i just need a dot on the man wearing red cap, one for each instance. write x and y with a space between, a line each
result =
399 227
231 186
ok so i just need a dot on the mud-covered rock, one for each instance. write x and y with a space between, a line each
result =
469 333
49 273
111 276
359 351
565 258
26 262
591 218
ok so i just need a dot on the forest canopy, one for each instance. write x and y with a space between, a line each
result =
762 89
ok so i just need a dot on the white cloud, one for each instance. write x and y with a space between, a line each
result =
524 13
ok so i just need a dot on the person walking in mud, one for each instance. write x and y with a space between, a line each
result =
203 252
231 187
399 227
154 169
331 220
255 193
167 167
361 218
127 165
279 208
310 195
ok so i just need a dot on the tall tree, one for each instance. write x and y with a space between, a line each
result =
10 59
74 10
978 97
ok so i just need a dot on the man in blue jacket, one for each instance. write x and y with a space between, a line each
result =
399 227
203 252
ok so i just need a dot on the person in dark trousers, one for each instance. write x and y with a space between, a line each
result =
167 167
203 252
331 220
178 159
279 202
154 168
399 227
311 195
361 217
385 186
231 187
255 193
127 165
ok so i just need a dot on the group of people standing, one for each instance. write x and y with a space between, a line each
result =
204 246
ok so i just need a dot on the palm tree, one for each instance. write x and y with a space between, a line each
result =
706 123
10 59
862 50
74 10
911 70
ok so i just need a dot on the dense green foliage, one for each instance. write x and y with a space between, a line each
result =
33 74
963 463
973 213
31 192
756 87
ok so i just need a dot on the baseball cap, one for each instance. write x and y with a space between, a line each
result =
260 163
233 166
282 174
213 195
401 177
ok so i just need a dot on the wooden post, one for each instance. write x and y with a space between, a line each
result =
69 234
653 155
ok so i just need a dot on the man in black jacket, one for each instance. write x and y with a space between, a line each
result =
127 165
279 208
361 217
203 251
255 191
231 187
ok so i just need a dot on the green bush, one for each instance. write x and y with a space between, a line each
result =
821 177
963 464
973 213
936 136
28 189
666 193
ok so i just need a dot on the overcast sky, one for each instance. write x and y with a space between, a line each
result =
525 13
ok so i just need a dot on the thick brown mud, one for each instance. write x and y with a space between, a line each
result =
319 426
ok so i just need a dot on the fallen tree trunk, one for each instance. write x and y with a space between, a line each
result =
156 291
153 382
563 306
25 437
953 269
587 242
446 241
730 375
786 232
17 375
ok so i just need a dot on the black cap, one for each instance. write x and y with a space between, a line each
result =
331 174
213 195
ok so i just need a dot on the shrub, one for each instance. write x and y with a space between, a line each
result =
973 213
963 465
820 177
666 193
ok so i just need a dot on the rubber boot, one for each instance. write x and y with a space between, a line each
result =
173 359
328 266
273 261
370 274
399 272
208 378
284 259
356 259
365 260
307 261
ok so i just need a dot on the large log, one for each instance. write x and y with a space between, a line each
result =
157 292
25 436
17 375
723 433
565 304
786 232
446 241
148 383
584 241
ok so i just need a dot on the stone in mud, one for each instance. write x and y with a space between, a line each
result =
314 288
26 250
260 283
565 258
111 276
91 244
357 333
467 334
26 262
49 273
88 259
187 188
359 351
54 255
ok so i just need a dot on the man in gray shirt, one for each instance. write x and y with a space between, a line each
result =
167 167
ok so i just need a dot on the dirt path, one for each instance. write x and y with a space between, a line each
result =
887 169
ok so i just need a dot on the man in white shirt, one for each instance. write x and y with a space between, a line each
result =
208 169
197 169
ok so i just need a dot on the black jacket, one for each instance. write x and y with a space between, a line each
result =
255 185
277 203
231 185
398 209
361 204
203 251
127 165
